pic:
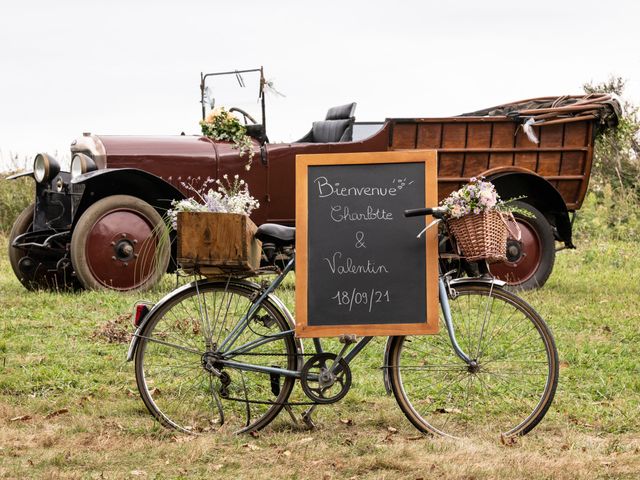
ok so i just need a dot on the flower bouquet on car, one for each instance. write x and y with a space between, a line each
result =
480 221
222 125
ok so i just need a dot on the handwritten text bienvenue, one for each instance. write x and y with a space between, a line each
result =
326 189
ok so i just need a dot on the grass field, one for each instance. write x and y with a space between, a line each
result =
69 406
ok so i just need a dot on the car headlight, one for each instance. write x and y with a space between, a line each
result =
80 164
45 167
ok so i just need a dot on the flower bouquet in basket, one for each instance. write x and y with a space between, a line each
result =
215 234
480 221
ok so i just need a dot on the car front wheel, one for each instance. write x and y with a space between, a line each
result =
120 243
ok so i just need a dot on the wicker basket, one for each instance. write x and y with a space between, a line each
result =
481 236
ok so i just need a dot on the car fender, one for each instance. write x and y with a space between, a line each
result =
538 192
20 174
124 181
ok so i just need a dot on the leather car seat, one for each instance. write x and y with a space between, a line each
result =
336 127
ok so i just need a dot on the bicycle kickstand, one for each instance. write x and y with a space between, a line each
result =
306 416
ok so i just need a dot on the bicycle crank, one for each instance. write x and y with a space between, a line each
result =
324 379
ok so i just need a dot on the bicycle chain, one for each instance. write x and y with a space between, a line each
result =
264 402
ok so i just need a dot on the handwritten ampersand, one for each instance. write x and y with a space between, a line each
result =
360 240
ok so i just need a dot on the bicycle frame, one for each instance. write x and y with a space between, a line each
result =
444 287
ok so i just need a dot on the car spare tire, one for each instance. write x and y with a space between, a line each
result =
120 243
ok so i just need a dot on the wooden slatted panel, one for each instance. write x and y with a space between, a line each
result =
429 135
503 135
570 189
500 160
454 135
573 163
525 159
550 137
404 135
506 136
475 163
450 164
575 135
478 136
445 188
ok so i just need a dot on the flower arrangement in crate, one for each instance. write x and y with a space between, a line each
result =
215 233
480 220
222 125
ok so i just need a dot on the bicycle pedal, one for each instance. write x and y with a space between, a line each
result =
348 339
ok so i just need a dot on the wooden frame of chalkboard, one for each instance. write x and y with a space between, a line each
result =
360 268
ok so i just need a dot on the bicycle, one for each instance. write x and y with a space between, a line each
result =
223 352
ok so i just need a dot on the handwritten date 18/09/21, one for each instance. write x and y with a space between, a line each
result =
369 298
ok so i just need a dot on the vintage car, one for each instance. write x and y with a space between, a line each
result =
93 227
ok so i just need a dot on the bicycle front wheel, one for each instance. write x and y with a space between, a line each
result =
508 387
184 339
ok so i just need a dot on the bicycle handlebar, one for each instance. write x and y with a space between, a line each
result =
437 212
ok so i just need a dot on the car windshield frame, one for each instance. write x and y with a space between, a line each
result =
238 75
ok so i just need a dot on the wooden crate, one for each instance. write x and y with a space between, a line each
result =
217 243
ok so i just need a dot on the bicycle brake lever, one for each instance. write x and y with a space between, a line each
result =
438 220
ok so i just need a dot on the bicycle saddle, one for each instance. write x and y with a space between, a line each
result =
278 234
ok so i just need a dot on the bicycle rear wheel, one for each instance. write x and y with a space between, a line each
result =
185 333
506 392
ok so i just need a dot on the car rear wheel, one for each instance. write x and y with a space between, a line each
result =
530 260
34 269
120 243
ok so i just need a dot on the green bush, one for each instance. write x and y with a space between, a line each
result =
15 195
616 157
610 209
608 214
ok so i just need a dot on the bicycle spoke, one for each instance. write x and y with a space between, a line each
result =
180 393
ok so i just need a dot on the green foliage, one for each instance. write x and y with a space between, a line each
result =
616 158
610 208
608 214
15 195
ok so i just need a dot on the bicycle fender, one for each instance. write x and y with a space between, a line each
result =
385 366
135 339
478 280
284 311
292 324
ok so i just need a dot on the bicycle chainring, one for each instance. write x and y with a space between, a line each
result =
323 381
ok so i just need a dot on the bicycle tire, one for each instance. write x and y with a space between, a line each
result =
169 360
510 391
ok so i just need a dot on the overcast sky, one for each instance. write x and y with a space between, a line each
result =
132 67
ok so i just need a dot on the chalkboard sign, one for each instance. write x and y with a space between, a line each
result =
360 268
